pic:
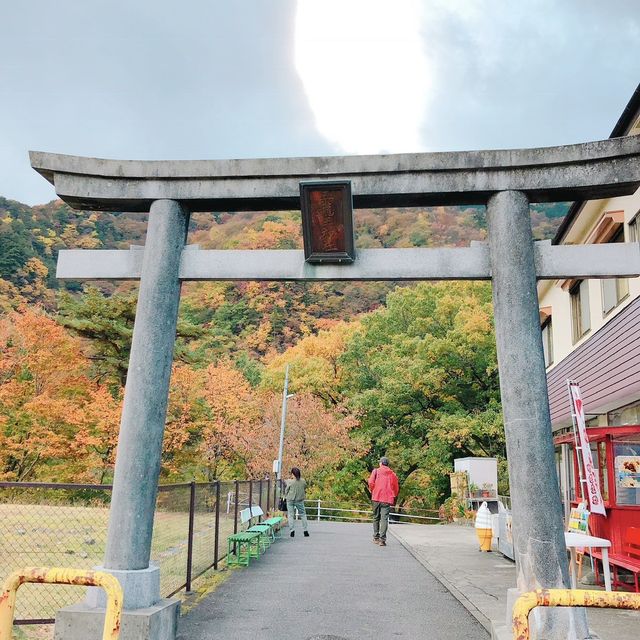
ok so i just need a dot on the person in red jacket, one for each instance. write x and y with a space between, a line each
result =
384 491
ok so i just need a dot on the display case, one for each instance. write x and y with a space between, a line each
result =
616 455
626 464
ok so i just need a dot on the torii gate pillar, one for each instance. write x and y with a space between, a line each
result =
537 508
146 616
147 390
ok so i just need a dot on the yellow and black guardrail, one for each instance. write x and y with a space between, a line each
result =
567 598
46 575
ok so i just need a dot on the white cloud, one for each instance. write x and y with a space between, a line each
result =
364 71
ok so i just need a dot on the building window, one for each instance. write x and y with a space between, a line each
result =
547 342
580 313
633 229
614 290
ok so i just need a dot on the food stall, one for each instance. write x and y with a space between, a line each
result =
616 456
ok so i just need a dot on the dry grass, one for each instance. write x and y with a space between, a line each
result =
75 536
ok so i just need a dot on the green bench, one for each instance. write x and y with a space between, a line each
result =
276 525
243 546
256 539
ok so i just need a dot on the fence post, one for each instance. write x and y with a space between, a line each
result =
192 509
250 495
217 533
235 510
268 492
319 509
260 494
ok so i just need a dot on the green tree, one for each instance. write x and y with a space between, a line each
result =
107 323
422 375
15 250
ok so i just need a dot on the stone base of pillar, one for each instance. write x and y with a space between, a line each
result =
512 595
500 631
157 622
141 588
145 615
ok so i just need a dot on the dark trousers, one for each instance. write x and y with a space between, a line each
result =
380 519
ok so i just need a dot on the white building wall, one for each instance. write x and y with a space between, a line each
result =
552 295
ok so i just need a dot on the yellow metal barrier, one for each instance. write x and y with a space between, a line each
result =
80 577
567 598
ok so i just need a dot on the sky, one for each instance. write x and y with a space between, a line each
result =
199 79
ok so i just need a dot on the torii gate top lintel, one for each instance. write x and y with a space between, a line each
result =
590 170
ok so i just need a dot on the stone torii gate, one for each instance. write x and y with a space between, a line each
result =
505 181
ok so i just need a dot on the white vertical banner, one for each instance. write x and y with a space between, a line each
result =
596 504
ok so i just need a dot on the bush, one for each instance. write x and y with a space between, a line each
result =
452 507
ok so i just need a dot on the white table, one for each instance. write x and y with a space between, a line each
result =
573 540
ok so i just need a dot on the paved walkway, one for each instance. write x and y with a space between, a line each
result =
480 580
334 585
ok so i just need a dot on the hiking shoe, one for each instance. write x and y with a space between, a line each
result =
292 534
306 534
382 543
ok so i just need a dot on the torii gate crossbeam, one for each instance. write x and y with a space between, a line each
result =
506 181
460 263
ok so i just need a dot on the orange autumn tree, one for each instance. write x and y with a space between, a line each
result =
10 297
314 364
98 433
45 400
97 436
316 438
319 428
231 428
187 417
31 282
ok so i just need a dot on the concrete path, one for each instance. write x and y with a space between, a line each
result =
480 580
334 585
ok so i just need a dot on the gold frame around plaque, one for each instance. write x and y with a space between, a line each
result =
327 222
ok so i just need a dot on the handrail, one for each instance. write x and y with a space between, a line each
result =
56 575
366 505
412 515
322 512
567 598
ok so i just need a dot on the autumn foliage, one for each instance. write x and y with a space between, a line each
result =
59 423
52 415
408 371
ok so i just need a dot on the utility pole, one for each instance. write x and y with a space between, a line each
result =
285 397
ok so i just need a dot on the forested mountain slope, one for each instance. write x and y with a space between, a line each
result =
375 368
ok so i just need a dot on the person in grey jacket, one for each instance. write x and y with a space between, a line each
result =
294 494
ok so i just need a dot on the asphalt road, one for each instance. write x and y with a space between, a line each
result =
334 585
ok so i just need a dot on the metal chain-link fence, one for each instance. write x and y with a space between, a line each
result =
55 526
170 540
65 525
